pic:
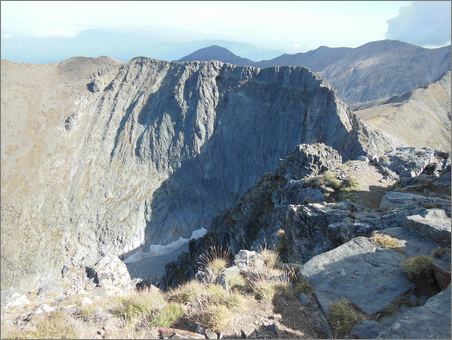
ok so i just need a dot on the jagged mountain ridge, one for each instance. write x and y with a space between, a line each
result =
366 74
215 52
151 145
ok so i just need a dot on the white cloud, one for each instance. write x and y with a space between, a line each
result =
425 23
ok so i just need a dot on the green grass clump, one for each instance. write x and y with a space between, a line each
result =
217 295
168 315
417 267
350 183
343 316
329 179
142 304
188 292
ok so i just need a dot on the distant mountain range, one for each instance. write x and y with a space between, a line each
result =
369 74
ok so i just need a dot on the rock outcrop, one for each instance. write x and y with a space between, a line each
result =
146 152
384 262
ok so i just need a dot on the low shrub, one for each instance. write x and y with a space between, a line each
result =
416 267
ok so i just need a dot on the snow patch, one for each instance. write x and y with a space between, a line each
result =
159 249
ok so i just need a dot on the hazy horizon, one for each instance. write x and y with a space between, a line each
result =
45 32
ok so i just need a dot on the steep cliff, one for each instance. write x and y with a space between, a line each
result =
147 152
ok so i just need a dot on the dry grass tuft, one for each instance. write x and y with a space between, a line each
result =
217 295
143 304
270 258
237 281
216 317
343 316
386 241
188 293
265 290
168 315
56 325
214 260
216 265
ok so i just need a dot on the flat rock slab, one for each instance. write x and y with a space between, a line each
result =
430 321
396 199
368 276
432 224
414 244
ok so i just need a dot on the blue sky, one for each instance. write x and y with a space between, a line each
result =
51 31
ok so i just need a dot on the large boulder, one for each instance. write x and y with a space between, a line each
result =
433 224
360 271
111 274
431 321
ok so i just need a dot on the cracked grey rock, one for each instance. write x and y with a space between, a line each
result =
431 321
335 274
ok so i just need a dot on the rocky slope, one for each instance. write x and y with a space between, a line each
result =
417 118
96 155
367 74
386 267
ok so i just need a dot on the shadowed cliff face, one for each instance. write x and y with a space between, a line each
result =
160 148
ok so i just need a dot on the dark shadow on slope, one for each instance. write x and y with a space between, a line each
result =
248 140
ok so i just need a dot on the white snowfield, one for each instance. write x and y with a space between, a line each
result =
159 249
